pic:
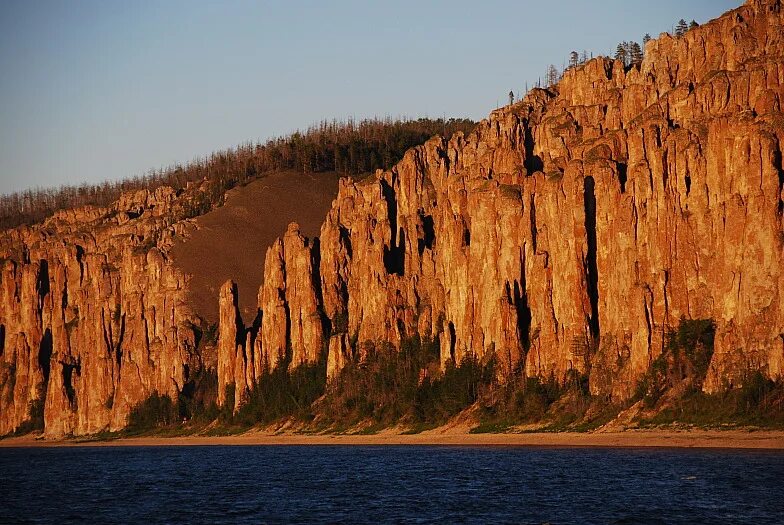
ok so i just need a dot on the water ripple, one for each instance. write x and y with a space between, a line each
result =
416 485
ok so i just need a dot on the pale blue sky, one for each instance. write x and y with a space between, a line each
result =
95 90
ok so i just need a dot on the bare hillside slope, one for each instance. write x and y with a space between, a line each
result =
230 241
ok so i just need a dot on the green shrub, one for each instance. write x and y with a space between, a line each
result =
686 357
281 393
694 339
157 411
35 419
759 402
384 387
198 398
447 394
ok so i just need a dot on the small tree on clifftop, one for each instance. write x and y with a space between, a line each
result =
552 76
620 53
574 59
635 52
681 28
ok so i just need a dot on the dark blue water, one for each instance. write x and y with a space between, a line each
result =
389 485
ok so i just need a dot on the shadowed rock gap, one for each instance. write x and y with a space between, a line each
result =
622 176
520 299
43 282
119 349
315 263
79 260
68 371
589 199
777 163
345 239
452 341
45 355
533 222
428 234
394 255
532 162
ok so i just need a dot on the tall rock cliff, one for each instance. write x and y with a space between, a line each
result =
290 328
570 231
92 316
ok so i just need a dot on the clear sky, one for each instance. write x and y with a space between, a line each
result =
95 90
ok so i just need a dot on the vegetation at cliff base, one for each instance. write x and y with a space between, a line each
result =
758 403
157 411
281 394
406 387
684 362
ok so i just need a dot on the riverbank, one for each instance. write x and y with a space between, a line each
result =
740 439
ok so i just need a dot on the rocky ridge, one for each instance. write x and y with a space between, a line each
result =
569 232
93 317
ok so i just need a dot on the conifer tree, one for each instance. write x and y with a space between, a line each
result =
636 53
552 76
681 28
646 39
693 24
573 59
620 53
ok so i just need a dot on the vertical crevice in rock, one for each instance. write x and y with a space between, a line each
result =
428 234
394 255
589 199
622 169
533 222
315 264
687 180
288 352
118 351
45 355
70 391
2 339
452 341
665 170
520 301
42 282
79 257
532 162
345 239
255 327
388 193
648 324
777 164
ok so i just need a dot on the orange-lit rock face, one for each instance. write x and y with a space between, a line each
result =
572 230
92 318
569 231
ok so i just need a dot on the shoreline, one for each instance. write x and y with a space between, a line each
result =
703 439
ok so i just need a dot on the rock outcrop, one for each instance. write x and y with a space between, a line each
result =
291 329
570 231
92 316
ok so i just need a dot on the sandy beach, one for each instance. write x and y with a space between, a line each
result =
739 439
